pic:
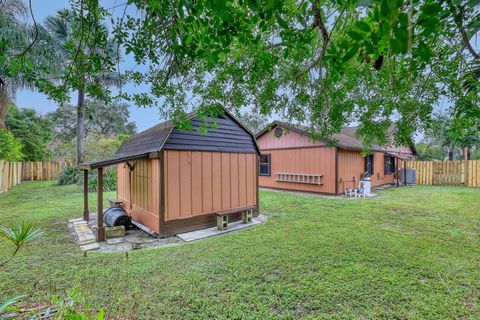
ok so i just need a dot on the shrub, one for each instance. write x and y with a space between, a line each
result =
109 180
10 147
74 175
70 175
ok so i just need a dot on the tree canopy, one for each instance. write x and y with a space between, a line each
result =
445 140
110 119
324 63
33 131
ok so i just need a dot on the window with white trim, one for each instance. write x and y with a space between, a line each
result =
264 165
389 164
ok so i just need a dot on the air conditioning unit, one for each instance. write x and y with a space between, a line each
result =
408 176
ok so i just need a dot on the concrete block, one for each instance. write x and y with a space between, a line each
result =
222 222
247 216
114 232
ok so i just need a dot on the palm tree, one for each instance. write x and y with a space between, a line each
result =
13 34
59 27
23 43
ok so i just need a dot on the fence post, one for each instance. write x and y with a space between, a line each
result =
465 165
2 165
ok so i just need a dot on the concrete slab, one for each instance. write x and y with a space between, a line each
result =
209 232
85 236
90 247
115 240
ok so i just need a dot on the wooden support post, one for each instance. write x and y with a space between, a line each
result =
86 213
100 227
397 160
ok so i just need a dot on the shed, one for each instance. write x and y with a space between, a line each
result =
172 181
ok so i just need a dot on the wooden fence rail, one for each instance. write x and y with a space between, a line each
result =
12 173
448 172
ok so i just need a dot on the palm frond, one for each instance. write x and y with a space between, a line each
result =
21 235
5 306
13 7
57 27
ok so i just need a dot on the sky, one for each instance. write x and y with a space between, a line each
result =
143 117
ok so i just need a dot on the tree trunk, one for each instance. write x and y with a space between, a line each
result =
80 125
450 155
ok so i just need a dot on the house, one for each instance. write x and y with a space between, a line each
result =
172 181
291 160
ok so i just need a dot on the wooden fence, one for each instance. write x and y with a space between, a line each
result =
12 173
448 172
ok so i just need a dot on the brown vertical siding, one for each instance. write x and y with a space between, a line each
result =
290 139
145 187
207 187
199 183
320 160
352 164
379 177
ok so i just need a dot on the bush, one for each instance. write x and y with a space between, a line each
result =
74 175
109 180
10 147
70 175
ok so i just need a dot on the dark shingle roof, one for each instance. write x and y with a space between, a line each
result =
152 140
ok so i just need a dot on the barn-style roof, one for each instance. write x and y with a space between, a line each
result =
229 135
346 139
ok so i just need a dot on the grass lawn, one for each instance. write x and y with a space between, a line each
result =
413 253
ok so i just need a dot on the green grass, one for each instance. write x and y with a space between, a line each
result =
413 253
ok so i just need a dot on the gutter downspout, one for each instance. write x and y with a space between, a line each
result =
130 170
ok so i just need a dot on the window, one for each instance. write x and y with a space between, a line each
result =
264 167
389 164
369 164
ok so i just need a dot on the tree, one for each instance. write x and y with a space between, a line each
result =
98 147
326 63
88 57
34 132
253 121
100 118
17 53
10 147
428 151
444 133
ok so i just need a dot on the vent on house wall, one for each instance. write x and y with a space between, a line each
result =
278 132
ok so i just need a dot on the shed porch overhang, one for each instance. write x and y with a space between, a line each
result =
99 165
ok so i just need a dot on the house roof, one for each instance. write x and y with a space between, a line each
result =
150 141
346 139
